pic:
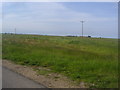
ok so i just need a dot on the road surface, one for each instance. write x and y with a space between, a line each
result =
11 79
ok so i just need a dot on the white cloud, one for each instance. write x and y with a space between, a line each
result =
53 12
51 18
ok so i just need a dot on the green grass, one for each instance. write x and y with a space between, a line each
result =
92 60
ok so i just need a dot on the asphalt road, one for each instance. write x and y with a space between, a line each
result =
11 79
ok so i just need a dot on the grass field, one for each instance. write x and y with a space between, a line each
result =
91 60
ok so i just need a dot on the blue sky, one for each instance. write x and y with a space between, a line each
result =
62 18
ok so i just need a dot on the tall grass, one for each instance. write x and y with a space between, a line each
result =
92 60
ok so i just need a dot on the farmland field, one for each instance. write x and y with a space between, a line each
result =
91 60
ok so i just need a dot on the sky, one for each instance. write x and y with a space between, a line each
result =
61 18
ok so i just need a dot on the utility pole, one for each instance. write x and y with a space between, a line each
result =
15 30
82 27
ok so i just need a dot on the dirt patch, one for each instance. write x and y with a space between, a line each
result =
50 80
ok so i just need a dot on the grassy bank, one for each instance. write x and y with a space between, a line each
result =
92 60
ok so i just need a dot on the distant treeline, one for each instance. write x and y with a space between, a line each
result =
51 35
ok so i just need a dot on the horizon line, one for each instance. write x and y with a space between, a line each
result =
69 35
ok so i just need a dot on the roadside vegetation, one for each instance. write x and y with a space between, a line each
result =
90 60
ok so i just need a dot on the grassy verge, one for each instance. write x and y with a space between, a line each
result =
92 60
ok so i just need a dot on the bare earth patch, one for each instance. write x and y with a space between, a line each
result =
50 80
